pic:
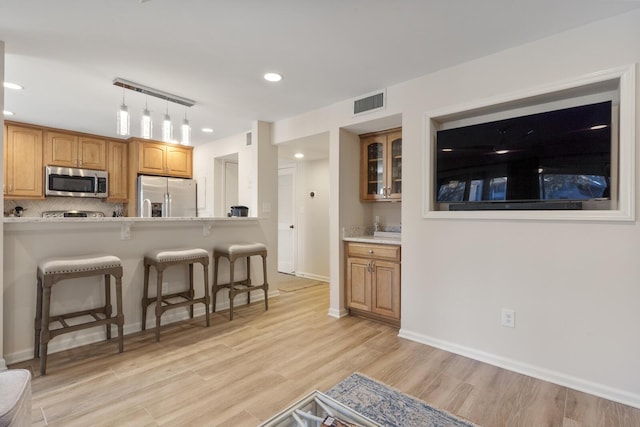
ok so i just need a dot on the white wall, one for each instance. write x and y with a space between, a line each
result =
575 287
2 361
205 166
313 219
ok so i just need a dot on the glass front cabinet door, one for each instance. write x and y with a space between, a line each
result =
381 166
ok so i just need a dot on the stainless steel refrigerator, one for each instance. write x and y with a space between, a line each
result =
166 197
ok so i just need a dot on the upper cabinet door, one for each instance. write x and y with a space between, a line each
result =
118 161
394 165
61 149
179 161
152 158
92 153
372 169
23 162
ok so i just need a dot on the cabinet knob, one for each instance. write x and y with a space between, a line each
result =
371 251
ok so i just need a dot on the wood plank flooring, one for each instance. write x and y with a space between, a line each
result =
242 372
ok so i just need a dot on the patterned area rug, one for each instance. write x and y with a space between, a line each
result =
390 407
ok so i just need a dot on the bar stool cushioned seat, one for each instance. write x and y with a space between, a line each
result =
161 259
233 251
15 398
54 270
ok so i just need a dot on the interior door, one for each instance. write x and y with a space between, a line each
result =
286 220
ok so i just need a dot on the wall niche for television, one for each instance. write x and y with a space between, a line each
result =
563 151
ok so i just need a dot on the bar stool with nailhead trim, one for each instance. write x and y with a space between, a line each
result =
54 270
233 251
161 260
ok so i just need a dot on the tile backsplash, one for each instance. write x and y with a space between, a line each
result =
34 208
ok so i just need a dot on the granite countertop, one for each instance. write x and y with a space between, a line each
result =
365 234
372 239
106 219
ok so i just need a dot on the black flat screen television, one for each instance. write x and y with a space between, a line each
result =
550 160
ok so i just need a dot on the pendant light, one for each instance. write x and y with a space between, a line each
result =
146 124
185 130
167 127
122 119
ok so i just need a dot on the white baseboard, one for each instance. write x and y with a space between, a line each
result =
338 313
312 276
555 377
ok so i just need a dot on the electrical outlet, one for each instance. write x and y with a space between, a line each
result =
508 318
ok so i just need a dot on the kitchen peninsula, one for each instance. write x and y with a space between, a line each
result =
29 240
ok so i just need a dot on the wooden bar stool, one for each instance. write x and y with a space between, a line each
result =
161 260
233 251
54 270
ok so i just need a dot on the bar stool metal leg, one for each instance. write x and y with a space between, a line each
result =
158 301
120 314
107 297
145 296
38 320
44 331
266 283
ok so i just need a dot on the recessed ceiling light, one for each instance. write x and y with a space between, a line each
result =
207 130
298 155
596 127
8 113
447 150
273 77
12 86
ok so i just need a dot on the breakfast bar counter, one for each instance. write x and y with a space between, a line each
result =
29 240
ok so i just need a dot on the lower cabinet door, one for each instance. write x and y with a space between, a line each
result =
386 289
358 284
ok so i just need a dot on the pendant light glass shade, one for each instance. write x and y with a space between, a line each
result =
123 119
146 124
167 129
185 130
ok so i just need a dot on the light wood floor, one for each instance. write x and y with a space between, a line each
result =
242 372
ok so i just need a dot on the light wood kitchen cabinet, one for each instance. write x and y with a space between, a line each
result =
156 158
381 166
118 168
23 169
75 151
373 281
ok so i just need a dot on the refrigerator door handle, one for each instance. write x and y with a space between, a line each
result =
146 208
167 205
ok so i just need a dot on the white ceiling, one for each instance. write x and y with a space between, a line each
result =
66 53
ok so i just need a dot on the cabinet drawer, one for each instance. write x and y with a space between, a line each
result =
367 250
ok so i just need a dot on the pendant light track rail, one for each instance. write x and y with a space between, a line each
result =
153 92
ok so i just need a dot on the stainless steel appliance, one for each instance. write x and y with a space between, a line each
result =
72 214
73 182
239 211
166 197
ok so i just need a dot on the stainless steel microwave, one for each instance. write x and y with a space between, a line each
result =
73 182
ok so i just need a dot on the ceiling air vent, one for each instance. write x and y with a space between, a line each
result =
369 103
